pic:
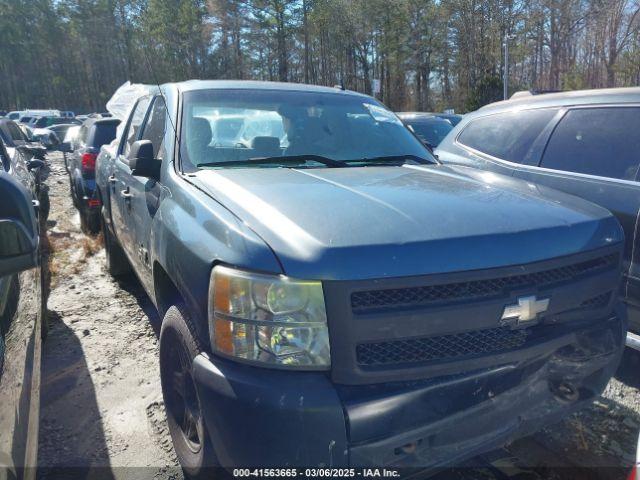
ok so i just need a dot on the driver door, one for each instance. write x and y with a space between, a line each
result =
146 194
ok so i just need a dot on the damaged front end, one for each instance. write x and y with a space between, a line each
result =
442 421
428 371
431 371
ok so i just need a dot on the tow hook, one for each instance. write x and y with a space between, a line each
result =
564 391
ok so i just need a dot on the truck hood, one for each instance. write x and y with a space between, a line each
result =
376 222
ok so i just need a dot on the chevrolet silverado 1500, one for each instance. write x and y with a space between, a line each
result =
332 295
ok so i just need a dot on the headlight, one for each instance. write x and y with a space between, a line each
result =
268 319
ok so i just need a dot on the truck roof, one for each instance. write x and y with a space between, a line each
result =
191 85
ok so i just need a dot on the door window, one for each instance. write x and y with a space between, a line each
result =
596 141
508 136
136 119
155 127
15 132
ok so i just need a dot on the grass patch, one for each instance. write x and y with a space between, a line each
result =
91 245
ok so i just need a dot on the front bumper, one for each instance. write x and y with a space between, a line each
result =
263 417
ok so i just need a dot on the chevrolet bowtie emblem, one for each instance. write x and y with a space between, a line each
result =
526 310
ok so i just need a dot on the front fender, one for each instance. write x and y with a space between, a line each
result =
190 234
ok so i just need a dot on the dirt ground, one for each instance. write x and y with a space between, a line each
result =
102 411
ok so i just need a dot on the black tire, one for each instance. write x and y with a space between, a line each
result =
117 263
45 203
178 347
90 222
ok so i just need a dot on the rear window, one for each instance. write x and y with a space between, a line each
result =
431 131
508 136
103 133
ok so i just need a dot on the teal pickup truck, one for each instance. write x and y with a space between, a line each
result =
334 296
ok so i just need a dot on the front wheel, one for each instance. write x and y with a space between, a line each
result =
178 348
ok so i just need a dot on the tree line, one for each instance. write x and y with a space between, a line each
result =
412 54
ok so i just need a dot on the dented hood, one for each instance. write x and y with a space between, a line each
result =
375 222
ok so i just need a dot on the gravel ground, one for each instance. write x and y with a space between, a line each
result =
102 411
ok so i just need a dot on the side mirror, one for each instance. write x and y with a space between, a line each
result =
142 161
18 228
35 163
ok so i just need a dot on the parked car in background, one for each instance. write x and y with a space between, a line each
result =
32 156
43 112
61 130
46 122
585 143
429 128
14 115
338 297
46 137
14 137
67 114
28 132
27 120
67 144
22 320
81 163
453 118
11 133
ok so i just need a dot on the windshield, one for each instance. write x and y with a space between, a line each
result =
289 128
432 130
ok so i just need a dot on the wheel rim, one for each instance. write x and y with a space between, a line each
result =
180 396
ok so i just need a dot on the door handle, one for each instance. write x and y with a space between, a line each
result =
125 194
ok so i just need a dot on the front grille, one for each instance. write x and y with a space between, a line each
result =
443 347
475 289
600 301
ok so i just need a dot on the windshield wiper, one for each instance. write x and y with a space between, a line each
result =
392 160
286 160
